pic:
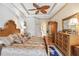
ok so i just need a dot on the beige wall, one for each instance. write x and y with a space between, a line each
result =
68 10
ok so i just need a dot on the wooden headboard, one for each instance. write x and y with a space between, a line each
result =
9 28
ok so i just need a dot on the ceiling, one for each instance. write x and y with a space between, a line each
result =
22 9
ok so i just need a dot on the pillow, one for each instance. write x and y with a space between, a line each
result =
24 39
16 38
5 40
19 36
27 35
10 37
1 41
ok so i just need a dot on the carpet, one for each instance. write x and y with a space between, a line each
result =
53 52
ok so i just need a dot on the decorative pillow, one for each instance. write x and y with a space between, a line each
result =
22 37
11 38
27 35
16 38
19 35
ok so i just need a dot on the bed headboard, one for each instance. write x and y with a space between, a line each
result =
9 28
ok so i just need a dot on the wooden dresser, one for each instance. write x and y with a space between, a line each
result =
64 42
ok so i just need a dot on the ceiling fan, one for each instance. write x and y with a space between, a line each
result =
41 9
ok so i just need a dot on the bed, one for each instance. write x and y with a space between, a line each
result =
35 46
12 43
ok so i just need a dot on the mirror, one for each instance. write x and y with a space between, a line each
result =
71 23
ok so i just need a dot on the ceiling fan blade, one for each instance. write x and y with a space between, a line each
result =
45 7
32 9
36 12
43 11
35 5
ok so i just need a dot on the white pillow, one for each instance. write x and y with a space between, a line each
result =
1 42
5 40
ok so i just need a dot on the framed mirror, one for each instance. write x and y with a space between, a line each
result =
70 23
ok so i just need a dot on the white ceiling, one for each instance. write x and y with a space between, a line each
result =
21 9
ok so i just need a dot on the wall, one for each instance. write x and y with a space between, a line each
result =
6 14
34 26
38 28
68 10
31 26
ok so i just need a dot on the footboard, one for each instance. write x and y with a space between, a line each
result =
47 45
